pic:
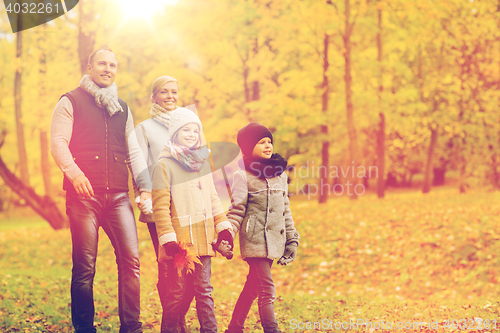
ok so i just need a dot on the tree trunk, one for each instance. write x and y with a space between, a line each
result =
353 140
495 168
381 126
44 144
323 178
428 166
462 182
86 39
439 176
463 106
252 89
44 206
255 84
247 89
44 150
21 145
381 156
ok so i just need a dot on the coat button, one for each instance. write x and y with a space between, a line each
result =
283 213
97 157
282 231
271 210
268 228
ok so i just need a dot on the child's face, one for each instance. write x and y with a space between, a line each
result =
263 148
188 135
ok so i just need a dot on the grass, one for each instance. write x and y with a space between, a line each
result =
409 259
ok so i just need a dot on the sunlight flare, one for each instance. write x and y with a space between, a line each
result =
145 9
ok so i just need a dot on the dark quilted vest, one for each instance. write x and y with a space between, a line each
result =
98 143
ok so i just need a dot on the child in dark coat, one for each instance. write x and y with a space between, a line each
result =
261 213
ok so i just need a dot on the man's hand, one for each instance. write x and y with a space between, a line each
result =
83 187
145 203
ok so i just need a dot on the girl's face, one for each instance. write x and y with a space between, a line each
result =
168 96
263 148
188 135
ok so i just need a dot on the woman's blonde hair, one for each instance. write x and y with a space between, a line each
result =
160 82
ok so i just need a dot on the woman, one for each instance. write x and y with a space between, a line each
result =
152 134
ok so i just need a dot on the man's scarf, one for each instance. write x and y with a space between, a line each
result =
105 98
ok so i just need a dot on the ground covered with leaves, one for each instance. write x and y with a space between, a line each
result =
409 262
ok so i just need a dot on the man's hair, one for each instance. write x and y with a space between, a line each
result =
92 55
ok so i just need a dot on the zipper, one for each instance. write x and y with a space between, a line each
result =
106 151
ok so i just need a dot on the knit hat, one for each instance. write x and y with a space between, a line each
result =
250 135
181 117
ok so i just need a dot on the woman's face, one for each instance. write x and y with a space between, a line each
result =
168 96
263 148
188 135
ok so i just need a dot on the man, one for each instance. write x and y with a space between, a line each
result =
92 138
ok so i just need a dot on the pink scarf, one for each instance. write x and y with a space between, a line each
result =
191 158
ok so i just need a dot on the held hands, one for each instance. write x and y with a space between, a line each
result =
144 203
289 255
224 244
83 187
171 248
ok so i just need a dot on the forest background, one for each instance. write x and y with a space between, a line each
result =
401 87
408 88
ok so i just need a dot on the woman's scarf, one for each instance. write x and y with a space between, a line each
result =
160 114
265 168
190 158
105 98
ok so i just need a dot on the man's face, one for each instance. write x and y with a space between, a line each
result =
102 70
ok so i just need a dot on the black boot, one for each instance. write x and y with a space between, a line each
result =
170 323
183 328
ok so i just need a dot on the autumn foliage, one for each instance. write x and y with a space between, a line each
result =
409 257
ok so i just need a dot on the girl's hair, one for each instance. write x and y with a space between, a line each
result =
175 138
160 82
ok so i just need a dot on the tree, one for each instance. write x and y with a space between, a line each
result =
349 23
21 146
381 128
323 177
44 206
44 142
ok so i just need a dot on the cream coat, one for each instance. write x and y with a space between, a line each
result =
261 213
186 206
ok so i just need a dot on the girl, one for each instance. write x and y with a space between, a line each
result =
261 213
187 212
